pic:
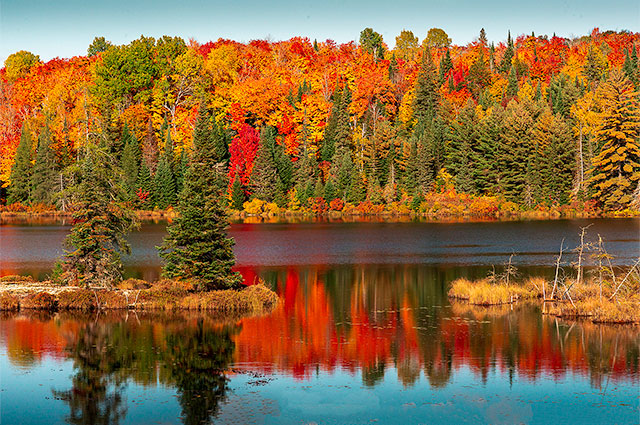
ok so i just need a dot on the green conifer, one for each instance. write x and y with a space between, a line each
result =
45 174
22 170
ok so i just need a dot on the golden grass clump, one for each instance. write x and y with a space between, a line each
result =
483 292
39 301
15 279
598 302
85 300
9 302
255 298
130 284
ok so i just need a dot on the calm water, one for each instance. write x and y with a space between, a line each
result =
364 333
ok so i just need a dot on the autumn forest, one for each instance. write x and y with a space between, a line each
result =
530 122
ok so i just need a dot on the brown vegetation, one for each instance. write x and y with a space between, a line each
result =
168 295
484 292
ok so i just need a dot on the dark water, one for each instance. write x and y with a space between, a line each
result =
364 333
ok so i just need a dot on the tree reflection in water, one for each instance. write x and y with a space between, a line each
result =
190 356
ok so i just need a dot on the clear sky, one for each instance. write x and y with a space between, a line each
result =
65 28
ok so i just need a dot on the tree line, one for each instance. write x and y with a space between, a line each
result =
536 121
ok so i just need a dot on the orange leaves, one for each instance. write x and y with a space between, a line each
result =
243 150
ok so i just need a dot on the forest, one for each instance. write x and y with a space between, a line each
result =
533 122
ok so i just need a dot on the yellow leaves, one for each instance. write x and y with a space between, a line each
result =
406 108
222 65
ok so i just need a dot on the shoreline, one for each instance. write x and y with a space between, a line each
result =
18 293
54 216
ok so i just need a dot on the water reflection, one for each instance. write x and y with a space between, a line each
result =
374 324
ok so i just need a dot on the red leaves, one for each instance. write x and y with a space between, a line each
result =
244 148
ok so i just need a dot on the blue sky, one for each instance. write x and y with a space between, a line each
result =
65 28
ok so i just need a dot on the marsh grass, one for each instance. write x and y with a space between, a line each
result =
135 294
485 292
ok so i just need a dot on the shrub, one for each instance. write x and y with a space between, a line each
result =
14 279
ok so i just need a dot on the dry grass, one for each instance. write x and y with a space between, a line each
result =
598 302
9 302
15 279
130 284
39 301
483 292
167 295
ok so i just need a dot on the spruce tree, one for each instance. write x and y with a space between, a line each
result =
489 136
446 65
265 174
145 187
22 170
461 155
512 86
616 168
238 196
426 100
130 163
507 57
164 181
513 154
45 174
164 185
357 189
197 247
102 220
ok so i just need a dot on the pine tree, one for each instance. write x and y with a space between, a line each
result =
330 190
512 86
425 102
461 155
446 65
164 185
130 162
616 168
630 67
489 136
507 57
238 196
264 175
22 170
164 180
357 189
513 154
197 246
45 174
102 220
144 186
558 166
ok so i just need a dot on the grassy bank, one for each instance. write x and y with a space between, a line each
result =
598 299
22 293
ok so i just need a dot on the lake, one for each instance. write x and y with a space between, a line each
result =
364 333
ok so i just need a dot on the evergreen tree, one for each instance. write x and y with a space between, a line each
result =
513 154
512 86
265 174
330 192
461 155
426 100
318 190
180 170
130 163
489 136
558 167
164 185
197 246
479 76
630 67
164 181
357 189
446 65
102 220
145 186
616 168
238 196
22 170
507 57
45 175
